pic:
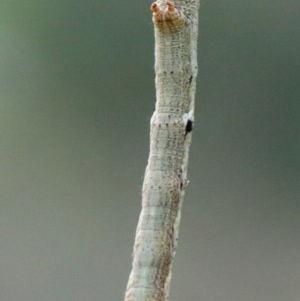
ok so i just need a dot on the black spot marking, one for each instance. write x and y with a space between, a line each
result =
190 79
188 127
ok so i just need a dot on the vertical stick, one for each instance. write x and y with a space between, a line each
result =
176 27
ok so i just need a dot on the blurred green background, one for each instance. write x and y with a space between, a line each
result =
76 97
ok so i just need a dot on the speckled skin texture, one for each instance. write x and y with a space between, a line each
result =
165 179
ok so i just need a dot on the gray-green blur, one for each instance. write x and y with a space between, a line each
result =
76 97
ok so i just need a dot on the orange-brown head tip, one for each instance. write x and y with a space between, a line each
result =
170 6
154 7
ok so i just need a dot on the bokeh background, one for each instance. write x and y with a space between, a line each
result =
76 97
